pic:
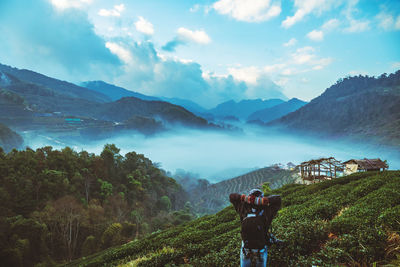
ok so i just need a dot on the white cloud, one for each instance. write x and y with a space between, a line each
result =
305 7
246 74
387 21
198 36
357 26
114 12
122 53
303 55
330 25
306 56
120 8
144 26
248 10
65 4
291 42
316 35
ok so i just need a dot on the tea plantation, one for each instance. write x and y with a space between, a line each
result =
348 221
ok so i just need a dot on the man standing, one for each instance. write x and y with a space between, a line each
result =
256 213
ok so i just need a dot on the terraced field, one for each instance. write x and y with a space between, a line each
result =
215 197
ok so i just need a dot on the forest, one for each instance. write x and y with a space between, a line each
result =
58 205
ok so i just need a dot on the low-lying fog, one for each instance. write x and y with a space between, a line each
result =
217 156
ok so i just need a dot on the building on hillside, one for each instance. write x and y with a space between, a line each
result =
359 165
320 169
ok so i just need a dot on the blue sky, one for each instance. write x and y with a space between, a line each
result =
205 51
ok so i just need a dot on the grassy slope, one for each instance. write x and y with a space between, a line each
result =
343 221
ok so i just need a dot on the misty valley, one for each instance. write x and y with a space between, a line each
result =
216 133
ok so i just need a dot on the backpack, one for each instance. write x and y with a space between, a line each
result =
254 229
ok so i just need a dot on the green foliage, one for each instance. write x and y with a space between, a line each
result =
112 235
266 188
57 205
165 203
344 221
106 188
89 246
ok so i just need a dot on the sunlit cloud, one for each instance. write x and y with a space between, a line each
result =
330 25
247 74
197 36
185 36
144 26
357 26
66 4
316 35
306 7
354 25
122 53
114 12
248 10
52 41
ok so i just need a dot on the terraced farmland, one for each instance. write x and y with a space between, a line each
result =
215 197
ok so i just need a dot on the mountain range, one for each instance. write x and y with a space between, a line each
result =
34 101
275 112
358 107
242 109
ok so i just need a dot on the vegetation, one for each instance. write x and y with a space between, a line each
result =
353 220
358 107
59 205
9 139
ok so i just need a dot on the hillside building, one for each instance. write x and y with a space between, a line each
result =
359 165
320 169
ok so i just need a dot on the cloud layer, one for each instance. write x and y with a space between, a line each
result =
58 38
185 36
151 73
248 10
144 26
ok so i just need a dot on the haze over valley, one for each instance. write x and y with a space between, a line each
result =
126 125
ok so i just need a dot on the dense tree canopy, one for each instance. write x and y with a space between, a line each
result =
57 205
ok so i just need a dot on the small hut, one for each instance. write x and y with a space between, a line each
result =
359 165
320 169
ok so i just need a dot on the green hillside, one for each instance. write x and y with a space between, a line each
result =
353 221
360 107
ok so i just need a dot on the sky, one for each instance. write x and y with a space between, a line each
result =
205 51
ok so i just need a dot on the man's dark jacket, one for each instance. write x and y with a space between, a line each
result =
244 207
